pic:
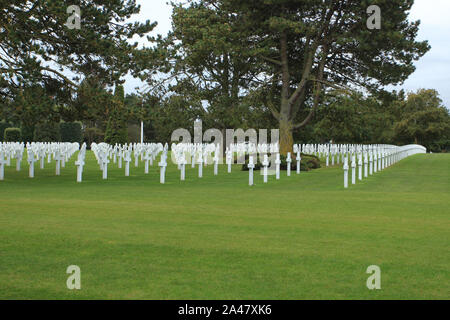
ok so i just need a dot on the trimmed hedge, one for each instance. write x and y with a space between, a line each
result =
47 132
308 162
13 135
3 125
71 132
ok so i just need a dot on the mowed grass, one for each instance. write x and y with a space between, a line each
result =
303 237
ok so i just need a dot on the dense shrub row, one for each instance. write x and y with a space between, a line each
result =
43 132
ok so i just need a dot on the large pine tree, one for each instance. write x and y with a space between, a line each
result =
301 49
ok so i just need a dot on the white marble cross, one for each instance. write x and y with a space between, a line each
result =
3 162
136 158
366 163
265 164
58 158
147 158
114 153
360 163
31 160
127 159
229 159
80 164
42 157
120 155
375 162
277 166
193 158
162 165
105 161
18 156
216 160
346 168
379 160
200 165
182 163
371 162
288 162
63 157
353 169
251 166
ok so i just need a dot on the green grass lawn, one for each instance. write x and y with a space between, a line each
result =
303 237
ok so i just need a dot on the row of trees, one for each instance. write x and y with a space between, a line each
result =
396 118
301 66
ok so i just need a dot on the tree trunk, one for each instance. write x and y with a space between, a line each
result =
286 137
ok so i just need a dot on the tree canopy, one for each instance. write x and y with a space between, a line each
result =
295 50
37 46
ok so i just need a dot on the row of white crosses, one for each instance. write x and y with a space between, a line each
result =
200 154
335 153
147 152
265 163
60 152
204 154
36 151
273 149
9 150
375 158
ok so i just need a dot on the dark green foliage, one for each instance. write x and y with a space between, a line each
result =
171 114
353 119
116 130
3 125
32 104
47 132
308 162
13 135
71 132
117 126
34 32
27 133
93 135
423 120
134 133
91 104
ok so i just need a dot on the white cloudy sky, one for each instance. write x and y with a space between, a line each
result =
433 70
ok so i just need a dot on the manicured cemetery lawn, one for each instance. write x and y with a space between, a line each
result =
303 237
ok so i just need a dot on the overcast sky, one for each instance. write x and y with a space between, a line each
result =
433 70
